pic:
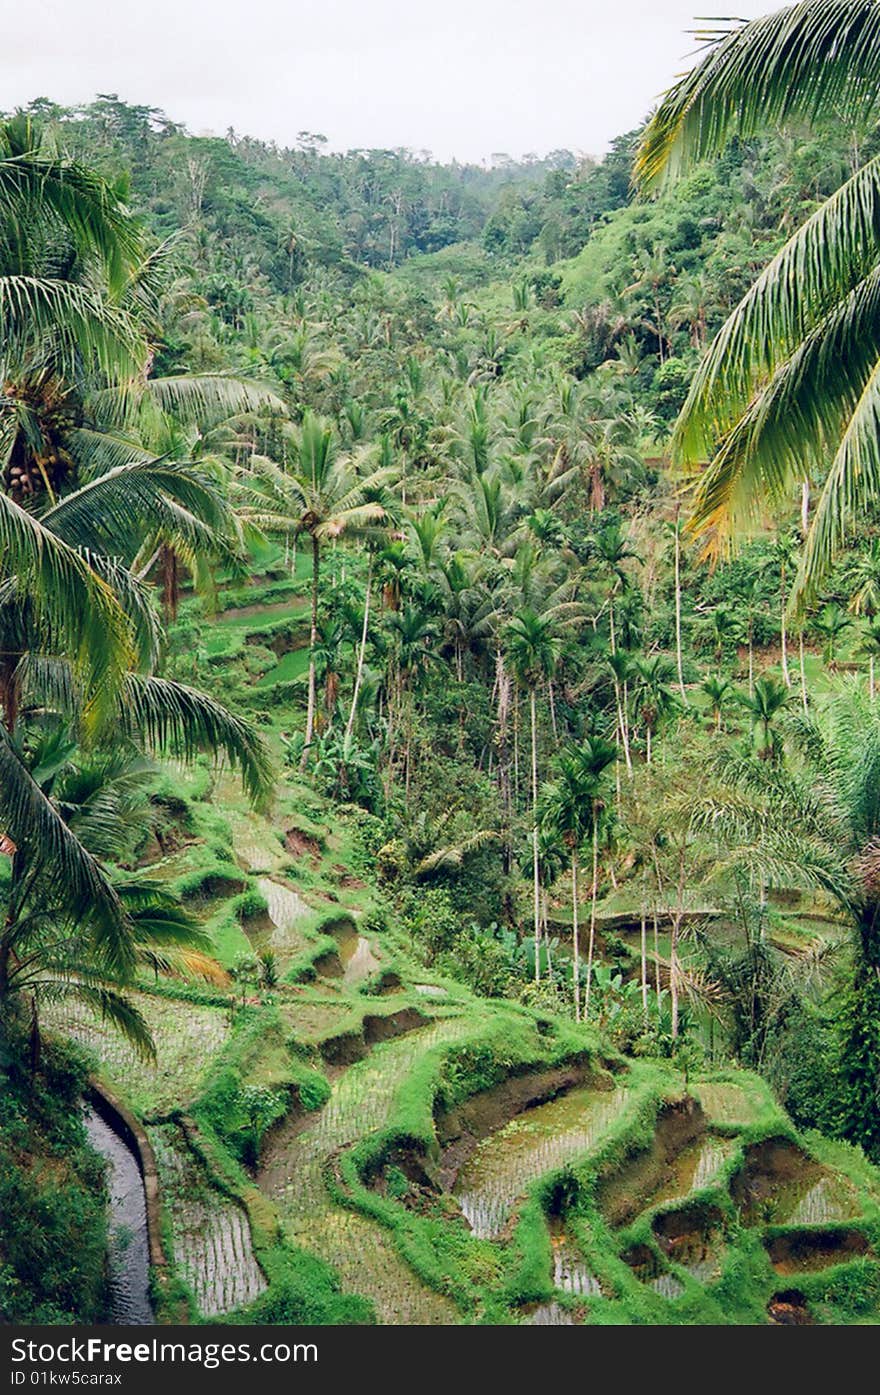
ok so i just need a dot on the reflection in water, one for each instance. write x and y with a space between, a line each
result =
533 1143
693 1168
570 1273
550 1315
129 1251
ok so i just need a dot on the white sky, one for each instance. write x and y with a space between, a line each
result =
460 78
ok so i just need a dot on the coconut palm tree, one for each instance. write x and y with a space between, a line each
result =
793 376
869 648
324 495
768 700
57 947
570 809
719 691
533 648
653 697
863 580
814 825
830 624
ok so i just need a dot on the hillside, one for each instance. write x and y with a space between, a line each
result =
477 938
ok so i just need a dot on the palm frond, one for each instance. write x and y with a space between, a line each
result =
176 720
65 869
77 610
818 58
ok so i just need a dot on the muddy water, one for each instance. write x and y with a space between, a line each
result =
695 1167
550 1315
129 1251
533 1143
361 1250
826 1200
652 1272
286 909
210 1233
570 1273
357 959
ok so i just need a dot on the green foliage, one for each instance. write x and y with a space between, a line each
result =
53 1224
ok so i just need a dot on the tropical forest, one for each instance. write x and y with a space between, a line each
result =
440 697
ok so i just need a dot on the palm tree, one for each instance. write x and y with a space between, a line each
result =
765 704
869 647
55 213
815 826
533 650
830 624
325 495
52 957
570 810
863 579
719 691
653 697
793 374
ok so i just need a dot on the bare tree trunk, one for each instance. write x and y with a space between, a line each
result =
170 581
644 947
574 936
805 507
678 654
593 897
313 640
673 976
784 632
516 747
361 653
546 932
552 709
673 947
657 960
536 878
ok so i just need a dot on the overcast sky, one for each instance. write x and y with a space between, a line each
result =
461 78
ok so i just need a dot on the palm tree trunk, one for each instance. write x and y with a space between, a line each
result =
784 632
657 961
361 653
170 581
751 657
313 641
644 947
575 946
678 654
805 507
593 897
803 676
648 742
673 976
621 726
536 878
871 676
552 709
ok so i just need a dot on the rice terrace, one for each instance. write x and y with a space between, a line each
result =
440 745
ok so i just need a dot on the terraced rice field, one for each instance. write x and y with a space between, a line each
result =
210 1233
291 1176
727 1104
186 1037
695 1167
536 1142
